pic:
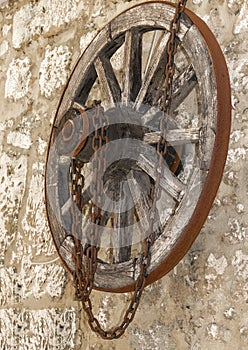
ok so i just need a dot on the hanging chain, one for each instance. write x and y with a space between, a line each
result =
85 273
171 51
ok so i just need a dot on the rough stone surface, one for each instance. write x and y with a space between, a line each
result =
202 303
34 19
54 69
13 171
18 78
4 48
38 329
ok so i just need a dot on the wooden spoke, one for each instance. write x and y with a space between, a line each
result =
142 209
152 48
132 63
182 87
86 85
155 87
123 221
168 180
153 76
139 185
109 83
174 137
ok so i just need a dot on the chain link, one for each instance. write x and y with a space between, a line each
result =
171 51
84 273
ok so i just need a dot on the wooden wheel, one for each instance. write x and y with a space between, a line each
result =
123 67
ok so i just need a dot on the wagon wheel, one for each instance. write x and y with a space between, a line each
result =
197 134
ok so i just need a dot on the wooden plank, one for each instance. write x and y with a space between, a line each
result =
153 74
132 66
174 137
109 83
168 180
110 275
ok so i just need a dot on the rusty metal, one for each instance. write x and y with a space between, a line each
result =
171 51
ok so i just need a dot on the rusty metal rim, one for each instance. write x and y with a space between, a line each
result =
218 158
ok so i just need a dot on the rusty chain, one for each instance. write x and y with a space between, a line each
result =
171 51
85 272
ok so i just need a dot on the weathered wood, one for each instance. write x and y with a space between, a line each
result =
85 85
122 225
109 83
182 87
155 88
153 15
168 181
153 75
140 188
106 274
152 117
155 36
208 93
132 63
174 137
177 223
54 198
139 184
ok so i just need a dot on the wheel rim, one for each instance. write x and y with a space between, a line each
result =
209 140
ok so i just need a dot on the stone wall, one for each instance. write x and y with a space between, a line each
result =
202 303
